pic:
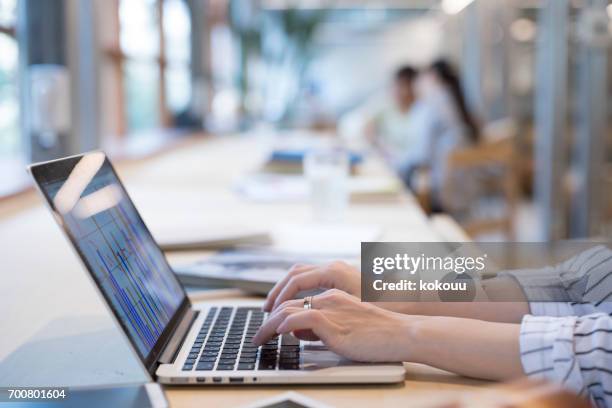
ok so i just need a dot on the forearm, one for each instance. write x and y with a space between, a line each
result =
468 347
503 312
506 304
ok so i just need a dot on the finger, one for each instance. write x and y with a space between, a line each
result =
304 281
306 335
294 304
312 320
268 328
330 299
296 269
290 303
327 299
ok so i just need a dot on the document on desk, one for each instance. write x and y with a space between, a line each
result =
283 188
332 240
173 238
257 270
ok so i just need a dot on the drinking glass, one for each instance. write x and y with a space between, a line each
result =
327 172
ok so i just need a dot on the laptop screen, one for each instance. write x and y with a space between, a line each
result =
113 241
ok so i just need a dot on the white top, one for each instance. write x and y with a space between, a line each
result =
401 134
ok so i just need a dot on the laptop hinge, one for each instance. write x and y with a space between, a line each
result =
176 341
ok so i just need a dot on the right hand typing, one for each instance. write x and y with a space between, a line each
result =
335 275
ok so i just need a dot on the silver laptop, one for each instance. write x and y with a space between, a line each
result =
178 342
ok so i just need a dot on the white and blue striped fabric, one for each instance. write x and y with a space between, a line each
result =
570 341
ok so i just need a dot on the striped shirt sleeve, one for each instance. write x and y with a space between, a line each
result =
571 342
583 279
573 351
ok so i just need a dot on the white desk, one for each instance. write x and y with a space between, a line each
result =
42 281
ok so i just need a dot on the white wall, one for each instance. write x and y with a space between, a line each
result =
353 65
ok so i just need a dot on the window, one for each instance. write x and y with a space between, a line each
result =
154 41
9 97
177 32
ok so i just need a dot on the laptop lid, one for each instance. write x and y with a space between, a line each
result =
94 210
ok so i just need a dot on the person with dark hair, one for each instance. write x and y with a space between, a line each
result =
446 74
404 76
391 128
445 125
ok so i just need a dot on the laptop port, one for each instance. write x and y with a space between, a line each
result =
217 379
201 379
236 379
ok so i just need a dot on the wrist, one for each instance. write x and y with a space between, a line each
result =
408 308
414 332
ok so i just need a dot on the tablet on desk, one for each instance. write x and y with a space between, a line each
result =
254 271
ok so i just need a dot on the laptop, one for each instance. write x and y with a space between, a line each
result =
177 342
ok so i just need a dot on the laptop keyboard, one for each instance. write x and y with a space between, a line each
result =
224 343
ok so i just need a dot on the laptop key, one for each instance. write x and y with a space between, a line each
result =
267 365
289 340
246 366
225 367
213 346
247 361
205 366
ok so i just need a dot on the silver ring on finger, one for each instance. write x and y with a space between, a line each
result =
308 302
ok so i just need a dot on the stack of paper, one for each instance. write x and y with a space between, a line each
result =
283 188
172 239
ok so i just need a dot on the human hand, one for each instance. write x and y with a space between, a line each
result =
358 331
335 275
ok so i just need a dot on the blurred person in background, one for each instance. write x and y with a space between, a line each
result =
445 124
391 129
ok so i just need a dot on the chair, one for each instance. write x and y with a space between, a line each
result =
485 178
